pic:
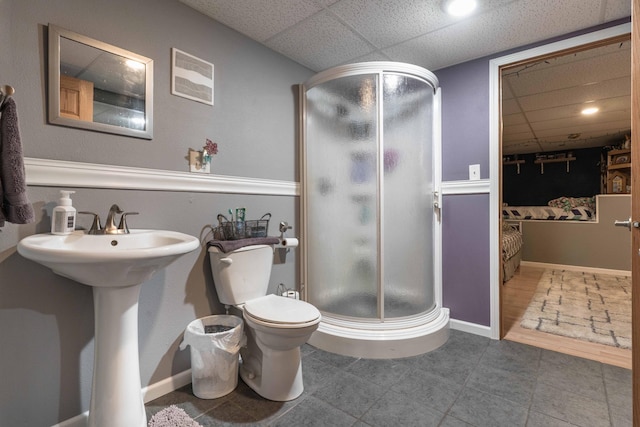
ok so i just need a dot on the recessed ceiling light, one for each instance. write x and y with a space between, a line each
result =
459 7
590 110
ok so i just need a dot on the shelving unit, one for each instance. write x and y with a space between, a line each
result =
619 172
514 162
542 162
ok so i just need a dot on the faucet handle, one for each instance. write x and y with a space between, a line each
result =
96 227
123 221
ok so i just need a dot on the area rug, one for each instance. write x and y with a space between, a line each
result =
586 306
172 416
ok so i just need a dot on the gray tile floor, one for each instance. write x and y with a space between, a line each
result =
470 381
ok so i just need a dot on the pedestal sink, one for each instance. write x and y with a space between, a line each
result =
115 266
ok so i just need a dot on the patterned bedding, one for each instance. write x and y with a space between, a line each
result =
578 213
511 241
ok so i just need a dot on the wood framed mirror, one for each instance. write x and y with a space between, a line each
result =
96 86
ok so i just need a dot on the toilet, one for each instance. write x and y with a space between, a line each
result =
275 326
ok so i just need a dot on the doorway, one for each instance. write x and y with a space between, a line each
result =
515 62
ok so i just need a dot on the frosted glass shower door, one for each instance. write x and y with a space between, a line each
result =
407 196
340 189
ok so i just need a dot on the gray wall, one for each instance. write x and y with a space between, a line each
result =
583 243
46 320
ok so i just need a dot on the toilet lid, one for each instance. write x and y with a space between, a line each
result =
277 309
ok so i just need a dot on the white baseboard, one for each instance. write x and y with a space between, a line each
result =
166 386
149 393
472 328
594 270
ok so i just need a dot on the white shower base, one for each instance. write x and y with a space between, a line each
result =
394 338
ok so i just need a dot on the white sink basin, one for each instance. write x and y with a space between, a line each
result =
107 259
115 265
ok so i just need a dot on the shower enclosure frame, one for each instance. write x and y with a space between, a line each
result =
381 337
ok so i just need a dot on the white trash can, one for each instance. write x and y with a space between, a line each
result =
215 343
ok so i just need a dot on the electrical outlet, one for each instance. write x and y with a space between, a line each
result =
474 172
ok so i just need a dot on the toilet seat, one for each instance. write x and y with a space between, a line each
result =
281 312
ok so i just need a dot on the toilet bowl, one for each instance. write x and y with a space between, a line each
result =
275 326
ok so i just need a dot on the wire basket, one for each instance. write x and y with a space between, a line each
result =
257 227
234 230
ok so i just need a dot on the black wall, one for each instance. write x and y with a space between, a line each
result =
531 188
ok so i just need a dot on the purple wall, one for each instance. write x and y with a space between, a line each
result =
465 255
465 119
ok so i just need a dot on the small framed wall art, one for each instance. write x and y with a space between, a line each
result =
191 77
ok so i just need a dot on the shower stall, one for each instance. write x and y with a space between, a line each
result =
370 207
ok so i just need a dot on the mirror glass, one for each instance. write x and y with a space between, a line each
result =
97 86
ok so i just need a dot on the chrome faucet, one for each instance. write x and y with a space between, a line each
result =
110 225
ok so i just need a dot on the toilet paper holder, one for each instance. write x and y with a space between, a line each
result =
284 226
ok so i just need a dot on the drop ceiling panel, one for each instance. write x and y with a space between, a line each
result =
575 95
389 22
515 24
512 130
320 34
574 74
321 43
510 106
258 20
513 119
559 128
573 111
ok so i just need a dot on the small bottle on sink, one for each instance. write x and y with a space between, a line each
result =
63 218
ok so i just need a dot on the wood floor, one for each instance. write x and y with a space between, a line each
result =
515 297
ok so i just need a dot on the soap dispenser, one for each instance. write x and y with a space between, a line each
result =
63 218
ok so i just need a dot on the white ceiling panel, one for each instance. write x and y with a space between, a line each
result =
321 48
259 20
394 27
320 34
607 107
575 95
514 129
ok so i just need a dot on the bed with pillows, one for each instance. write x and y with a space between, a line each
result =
560 209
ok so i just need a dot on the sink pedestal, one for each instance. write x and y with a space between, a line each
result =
116 394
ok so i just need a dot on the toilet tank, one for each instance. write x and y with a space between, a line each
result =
241 275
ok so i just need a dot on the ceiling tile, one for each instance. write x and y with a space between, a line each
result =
321 43
576 95
517 23
259 20
389 22
615 9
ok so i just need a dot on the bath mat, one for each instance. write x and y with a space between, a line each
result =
172 416
586 306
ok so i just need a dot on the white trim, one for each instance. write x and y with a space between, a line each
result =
166 386
60 173
594 270
437 198
465 187
472 328
399 338
494 145
149 393
374 67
